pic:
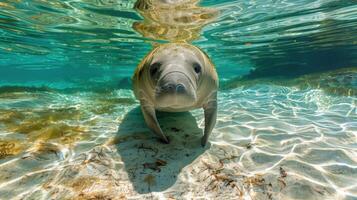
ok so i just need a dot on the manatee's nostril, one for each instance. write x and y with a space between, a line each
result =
174 88
180 88
169 88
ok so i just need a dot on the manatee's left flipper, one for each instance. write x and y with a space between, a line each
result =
210 112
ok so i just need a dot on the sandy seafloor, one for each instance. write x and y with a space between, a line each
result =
270 142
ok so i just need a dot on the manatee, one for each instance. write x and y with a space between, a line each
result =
176 77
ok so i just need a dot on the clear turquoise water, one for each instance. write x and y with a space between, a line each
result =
70 127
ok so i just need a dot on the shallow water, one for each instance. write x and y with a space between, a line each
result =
71 128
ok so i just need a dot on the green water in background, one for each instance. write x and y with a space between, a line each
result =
70 126
63 43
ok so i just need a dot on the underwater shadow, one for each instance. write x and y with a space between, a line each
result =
151 165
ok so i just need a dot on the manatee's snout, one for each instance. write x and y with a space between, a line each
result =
175 88
174 83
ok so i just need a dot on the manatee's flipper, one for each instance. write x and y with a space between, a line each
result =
210 112
151 121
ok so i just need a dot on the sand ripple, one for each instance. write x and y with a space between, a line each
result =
270 142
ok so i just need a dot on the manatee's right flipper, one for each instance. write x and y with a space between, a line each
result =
151 120
210 112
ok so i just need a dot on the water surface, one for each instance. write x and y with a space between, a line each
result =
70 127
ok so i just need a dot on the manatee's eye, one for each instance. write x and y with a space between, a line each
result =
197 67
154 68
